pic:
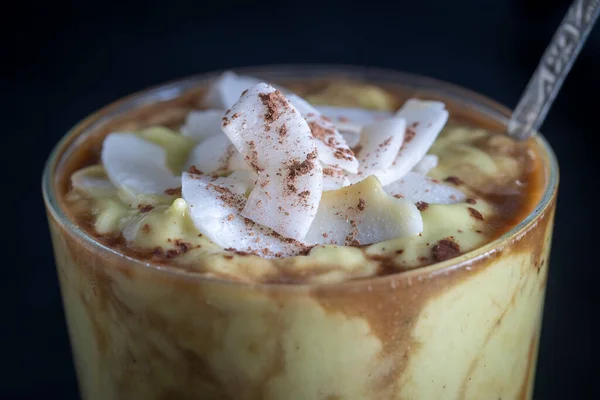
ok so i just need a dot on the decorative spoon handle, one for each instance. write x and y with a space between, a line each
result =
553 68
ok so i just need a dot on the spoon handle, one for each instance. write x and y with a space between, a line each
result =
553 68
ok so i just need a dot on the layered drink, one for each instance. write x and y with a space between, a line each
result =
294 234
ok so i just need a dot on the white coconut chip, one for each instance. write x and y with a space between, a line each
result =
351 138
427 163
136 165
216 154
202 124
416 187
277 142
363 214
352 119
227 89
424 122
215 206
331 146
246 177
93 181
333 178
379 145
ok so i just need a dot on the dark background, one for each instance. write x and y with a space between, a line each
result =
65 60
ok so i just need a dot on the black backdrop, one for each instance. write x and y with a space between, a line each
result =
63 60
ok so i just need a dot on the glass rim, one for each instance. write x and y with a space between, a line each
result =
173 88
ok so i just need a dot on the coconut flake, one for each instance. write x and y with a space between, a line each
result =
379 145
247 178
93 181
202 124
333 178
215 155
215 206
136 165
363 214
227 89
427 163
277 142
424 122
331 146
352 119
418 188
351 138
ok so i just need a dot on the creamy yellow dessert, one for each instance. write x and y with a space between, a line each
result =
293 303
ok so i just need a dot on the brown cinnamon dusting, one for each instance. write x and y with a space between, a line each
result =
326 135
194 170
239 253
408 137
475 214
230 217
144 208
329 171
454 180
227 196
146 228
351 237
182 247
445 249
386 142
343 154
302 168
275 104
320 132
471 201
253 157
174 191
351 241
361 204
283 131
422 206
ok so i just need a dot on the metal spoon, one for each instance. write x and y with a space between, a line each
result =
553 68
